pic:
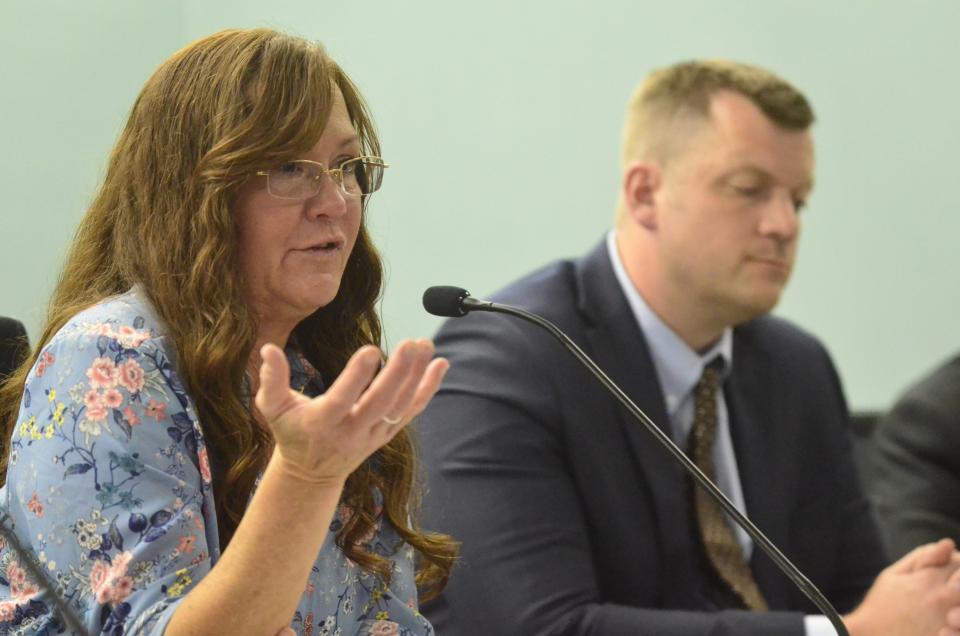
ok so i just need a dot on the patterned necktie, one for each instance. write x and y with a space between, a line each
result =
720 543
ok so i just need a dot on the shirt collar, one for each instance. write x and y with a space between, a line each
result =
678 366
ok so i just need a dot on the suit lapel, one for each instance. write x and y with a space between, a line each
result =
754 415
619 348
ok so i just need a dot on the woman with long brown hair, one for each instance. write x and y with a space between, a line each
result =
207 438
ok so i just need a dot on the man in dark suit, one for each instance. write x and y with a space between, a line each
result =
13 345
916 463
572 520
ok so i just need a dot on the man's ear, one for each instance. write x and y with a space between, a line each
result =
641 180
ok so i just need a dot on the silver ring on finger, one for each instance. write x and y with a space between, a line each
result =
392 422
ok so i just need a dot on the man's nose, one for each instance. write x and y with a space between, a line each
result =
781 217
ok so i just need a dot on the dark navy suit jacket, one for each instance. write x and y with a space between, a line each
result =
574 521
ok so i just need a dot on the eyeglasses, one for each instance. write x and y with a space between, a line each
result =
301 179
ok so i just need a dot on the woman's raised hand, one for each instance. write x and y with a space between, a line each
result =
324 439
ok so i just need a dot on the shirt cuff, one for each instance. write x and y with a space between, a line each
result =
818 626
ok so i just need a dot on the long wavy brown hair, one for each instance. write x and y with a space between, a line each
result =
215 112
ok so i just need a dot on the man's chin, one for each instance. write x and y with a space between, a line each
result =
754 307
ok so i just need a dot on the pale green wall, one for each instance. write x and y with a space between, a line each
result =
502 121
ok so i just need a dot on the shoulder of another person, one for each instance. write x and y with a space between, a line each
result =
944 382
937 393
11 327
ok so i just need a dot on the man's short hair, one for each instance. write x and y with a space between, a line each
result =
671 95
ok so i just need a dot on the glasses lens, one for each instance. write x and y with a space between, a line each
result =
294 180
362 175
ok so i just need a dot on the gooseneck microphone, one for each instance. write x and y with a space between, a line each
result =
456 302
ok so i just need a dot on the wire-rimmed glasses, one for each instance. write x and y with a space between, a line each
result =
302 178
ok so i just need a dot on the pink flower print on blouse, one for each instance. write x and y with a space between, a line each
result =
127 336
21 590
112 399
130 415
109 582
187 544
102 329
46 359
35 506
204 465
96 411
130 337
103 374
156 410
384 628
307 366
131 375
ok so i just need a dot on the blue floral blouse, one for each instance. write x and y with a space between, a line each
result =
109 490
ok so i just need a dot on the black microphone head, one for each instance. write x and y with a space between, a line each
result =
445 300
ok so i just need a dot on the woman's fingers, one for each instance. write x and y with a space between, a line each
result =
954 582
398 413
416 394
349 386
409 359
429 385
273 396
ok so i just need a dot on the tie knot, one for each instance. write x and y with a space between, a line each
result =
710 377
